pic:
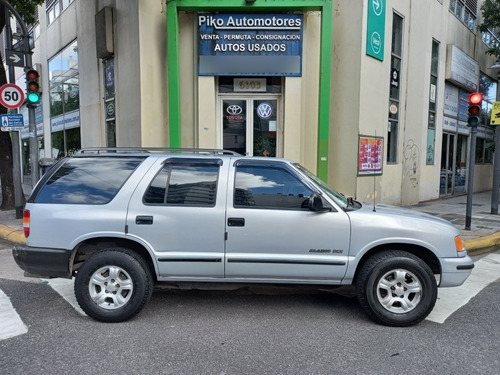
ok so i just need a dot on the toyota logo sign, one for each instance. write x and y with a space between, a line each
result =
234 109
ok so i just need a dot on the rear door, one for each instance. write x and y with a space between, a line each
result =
271 233
178 210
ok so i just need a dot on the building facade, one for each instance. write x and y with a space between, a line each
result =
370 95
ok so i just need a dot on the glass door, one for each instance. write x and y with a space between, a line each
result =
234 125
251 125
447 160
453 164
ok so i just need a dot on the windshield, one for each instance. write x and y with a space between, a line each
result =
337 197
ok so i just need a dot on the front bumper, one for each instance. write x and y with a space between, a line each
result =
454 271
42 262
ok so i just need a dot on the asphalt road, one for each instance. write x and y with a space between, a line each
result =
260 331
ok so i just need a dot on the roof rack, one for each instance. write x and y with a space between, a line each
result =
106 150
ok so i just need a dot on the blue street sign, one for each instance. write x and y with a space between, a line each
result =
10 122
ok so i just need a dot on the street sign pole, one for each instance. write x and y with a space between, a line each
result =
16 148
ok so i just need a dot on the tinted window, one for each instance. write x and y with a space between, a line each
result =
88 180
184 184
269 187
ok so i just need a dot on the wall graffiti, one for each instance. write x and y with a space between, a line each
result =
411 162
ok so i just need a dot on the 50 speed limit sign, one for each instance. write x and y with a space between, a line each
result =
11 96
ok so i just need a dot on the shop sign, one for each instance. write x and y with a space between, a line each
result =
370 154
461 69
375 31
450 100
250 44
495 114
66 121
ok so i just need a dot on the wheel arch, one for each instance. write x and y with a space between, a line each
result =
419 251
93 245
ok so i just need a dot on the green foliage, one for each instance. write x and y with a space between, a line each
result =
491 21
26 9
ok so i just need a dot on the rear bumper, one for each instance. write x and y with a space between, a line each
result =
42 262
454 271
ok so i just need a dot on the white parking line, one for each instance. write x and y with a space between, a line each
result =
486 271
65 287
10 323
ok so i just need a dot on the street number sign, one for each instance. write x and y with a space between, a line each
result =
11 96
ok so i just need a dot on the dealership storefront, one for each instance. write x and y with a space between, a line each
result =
252 69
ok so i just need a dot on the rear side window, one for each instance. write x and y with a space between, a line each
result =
87 180
185 183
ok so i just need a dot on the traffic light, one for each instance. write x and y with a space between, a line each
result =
32 87
475 100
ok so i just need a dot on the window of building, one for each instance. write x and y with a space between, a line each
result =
491 38
394 92
65 101
185 183
431 127
465 11
55 7
109 100
269 188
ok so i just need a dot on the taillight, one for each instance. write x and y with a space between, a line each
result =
26 223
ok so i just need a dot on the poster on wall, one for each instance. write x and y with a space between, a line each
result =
370 154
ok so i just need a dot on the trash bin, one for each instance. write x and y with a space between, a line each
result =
45 164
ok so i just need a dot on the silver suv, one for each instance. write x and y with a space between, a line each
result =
121 220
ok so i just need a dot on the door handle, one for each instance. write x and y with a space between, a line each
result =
236 222
144 220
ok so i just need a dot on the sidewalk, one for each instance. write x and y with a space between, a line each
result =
483 236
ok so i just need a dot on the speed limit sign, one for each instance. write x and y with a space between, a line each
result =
11 96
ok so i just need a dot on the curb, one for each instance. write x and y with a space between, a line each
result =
483 244
12 235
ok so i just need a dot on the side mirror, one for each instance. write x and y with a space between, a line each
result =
316 203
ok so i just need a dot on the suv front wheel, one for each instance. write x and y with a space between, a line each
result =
396 288
113 285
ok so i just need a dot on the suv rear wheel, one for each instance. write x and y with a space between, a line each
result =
396 288
113 285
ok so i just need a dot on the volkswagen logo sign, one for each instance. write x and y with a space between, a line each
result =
264 110
234 109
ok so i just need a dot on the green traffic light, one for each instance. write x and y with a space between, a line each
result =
33 97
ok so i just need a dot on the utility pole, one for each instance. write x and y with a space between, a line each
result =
496 170
16 151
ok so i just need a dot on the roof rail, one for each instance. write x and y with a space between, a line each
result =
105 150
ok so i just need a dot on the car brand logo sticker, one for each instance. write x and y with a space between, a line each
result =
234 109
264 110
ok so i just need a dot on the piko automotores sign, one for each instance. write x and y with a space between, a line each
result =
250 44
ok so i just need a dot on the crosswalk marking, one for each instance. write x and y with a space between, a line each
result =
10 322
65 288
486 271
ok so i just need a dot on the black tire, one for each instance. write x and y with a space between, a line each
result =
396 288
113 285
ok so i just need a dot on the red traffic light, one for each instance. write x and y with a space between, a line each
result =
32 75
475 98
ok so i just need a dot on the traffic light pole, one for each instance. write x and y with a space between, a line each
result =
496 165
470 182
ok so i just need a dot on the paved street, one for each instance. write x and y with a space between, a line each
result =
258 331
